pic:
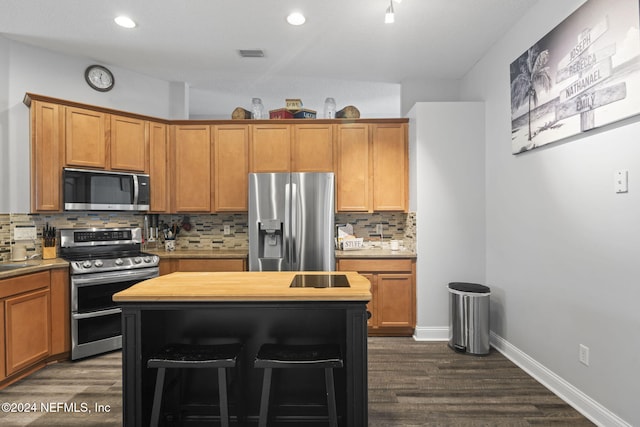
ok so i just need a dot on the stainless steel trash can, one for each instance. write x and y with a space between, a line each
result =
469 317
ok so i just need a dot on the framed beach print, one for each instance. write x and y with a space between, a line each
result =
583 74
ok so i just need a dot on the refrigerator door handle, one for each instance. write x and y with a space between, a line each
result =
294 225
287 224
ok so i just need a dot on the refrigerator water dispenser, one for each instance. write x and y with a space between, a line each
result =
270 238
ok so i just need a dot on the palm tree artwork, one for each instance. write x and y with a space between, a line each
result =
533 76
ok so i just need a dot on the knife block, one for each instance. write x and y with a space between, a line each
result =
48 252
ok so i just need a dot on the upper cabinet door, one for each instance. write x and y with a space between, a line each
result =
128 144
158 170
191 168
313 148
270 148
85 138
46 156
390 167
231 145
352 172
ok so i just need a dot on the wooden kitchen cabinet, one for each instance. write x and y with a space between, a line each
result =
171 265
373 165
352 171
27 329
60 309
270 148
312 148
158 167
231 145
191 161
47 139
390 167
27 321
106 141
34 322
3 363
393 290
128 144
86 138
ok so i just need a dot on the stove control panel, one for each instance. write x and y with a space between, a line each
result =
111 264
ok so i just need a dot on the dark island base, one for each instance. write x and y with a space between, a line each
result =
298 396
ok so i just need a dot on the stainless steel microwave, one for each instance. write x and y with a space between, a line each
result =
93 190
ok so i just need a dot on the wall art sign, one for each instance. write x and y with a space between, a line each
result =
583 74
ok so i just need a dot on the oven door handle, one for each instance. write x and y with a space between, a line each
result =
114 276
97 313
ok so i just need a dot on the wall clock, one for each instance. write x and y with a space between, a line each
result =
99 78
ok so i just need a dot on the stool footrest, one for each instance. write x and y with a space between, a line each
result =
276 356
219 356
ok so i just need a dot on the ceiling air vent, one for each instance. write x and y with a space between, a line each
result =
251 53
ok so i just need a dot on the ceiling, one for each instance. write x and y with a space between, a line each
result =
197 41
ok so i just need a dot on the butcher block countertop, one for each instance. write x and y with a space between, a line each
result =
241 286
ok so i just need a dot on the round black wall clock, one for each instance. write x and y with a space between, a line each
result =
99 78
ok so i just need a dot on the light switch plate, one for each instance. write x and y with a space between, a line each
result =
25 232
621 181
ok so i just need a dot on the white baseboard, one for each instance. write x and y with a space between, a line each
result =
431 333
588 407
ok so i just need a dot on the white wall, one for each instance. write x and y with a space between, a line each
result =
44 72
447 193
373 100
562 248
421 90
4 125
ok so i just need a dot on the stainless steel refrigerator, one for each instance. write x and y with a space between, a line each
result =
291 217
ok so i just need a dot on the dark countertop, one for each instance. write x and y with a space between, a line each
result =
244 253
376 253
200 253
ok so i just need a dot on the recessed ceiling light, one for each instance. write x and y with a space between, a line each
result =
296 18
125 21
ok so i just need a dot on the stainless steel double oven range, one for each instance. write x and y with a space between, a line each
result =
103 261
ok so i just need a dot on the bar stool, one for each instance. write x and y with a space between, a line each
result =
221 357
275 356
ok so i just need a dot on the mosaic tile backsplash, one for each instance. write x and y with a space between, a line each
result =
206 231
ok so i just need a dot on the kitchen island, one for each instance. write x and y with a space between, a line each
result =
252 308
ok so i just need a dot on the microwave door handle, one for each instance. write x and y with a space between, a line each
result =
136 190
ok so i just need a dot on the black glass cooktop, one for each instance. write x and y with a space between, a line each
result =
320 281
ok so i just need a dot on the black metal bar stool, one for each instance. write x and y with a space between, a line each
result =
221 357
275 356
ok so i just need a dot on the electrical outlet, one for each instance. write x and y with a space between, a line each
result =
227 229
584 355
379 229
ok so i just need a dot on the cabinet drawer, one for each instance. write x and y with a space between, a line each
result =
26 283
401 264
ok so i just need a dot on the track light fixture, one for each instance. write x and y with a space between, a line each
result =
389 17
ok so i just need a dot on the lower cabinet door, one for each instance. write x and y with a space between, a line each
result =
395 300
3 370
27 329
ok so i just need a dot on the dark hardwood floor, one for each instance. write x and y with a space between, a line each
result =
428 384
410 384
